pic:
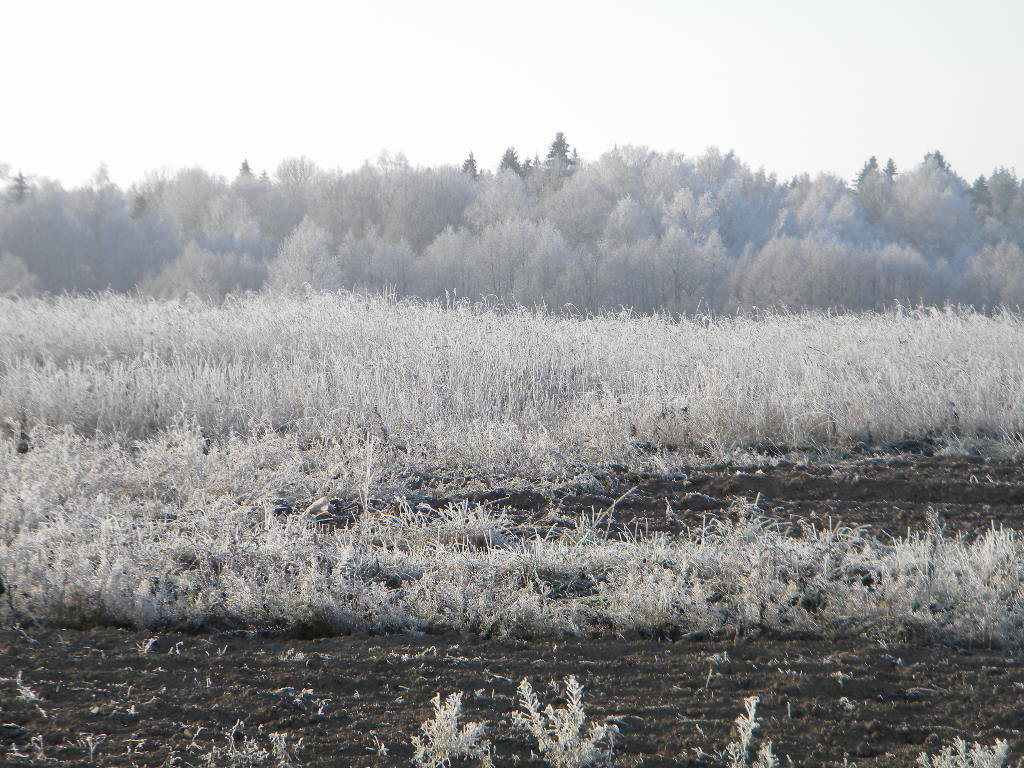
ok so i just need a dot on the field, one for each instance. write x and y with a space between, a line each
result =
372 501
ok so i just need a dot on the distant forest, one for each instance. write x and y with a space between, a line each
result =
634 228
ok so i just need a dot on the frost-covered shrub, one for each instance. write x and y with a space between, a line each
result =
443 738
561 734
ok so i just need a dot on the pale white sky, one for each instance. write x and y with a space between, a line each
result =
791 85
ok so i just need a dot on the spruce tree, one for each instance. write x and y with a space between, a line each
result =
938 159
510 161
869 166
139 206
890 168
19 188
469 167
245 171
980 195
1003 187
558 152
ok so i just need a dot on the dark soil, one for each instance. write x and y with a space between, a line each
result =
887 495
820 701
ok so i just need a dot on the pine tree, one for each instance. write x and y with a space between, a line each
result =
469 167
510 161
19 188
980 195
245 171
870 166
890 168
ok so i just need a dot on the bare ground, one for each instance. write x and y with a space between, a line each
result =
821 700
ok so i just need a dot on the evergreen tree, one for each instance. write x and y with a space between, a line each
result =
510 161
1003 187
469 167
558 152
245 171
139 206
980 195
937 158
19 188
870 166
890 168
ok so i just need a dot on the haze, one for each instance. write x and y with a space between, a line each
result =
791 86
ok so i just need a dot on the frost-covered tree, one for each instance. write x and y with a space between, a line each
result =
931 211
206 274
498 197
186 197
419 204
630 221
995 274
449 265
635 227
306 257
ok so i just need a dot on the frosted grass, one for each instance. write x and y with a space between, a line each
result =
481 387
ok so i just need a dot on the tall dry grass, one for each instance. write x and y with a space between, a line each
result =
483 387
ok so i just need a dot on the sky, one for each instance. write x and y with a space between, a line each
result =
791 85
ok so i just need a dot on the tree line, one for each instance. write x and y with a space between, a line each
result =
637 228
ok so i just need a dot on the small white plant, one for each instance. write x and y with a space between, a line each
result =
737 753
90 743
38 749
242 751
26 693
444 739
379 747
560 733
279 748
960 754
